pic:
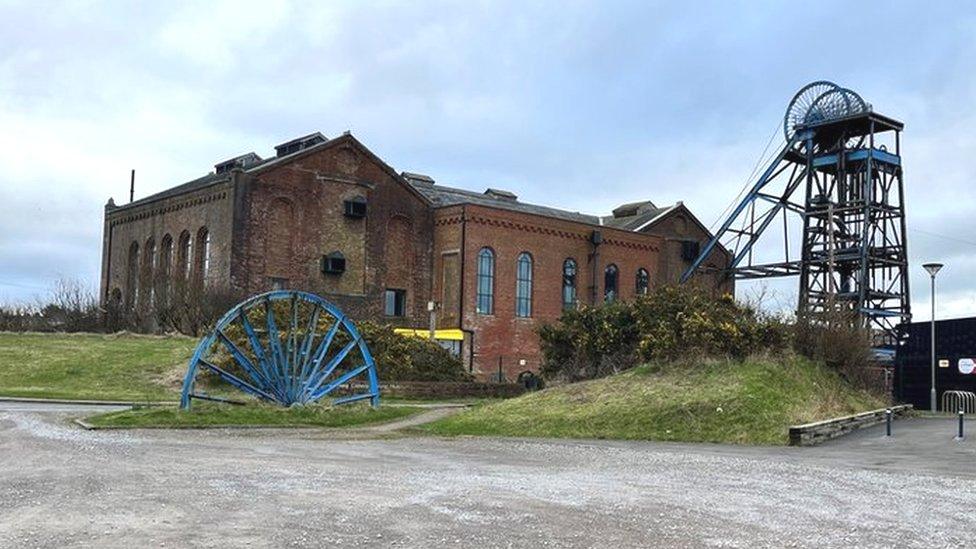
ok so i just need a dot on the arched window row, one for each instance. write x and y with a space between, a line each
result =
151 269
524 281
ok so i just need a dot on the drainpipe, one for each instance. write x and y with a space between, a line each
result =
596 238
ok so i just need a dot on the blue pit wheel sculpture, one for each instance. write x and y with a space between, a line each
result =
287 347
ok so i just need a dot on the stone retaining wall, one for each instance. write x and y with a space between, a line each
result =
815 433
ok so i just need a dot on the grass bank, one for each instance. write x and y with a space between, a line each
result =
93 366
218 415
742 402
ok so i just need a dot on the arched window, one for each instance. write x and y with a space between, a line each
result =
486 282
642 282
569 283
201 267
523 285
132 275
183 255
148 293
165 269
610 276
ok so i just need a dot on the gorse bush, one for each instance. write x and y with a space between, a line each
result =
400 358
668 323
676 322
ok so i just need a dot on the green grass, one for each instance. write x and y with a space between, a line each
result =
93 366
748 402
217 415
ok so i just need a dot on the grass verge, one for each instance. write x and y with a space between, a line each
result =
223 415
93 366
742 402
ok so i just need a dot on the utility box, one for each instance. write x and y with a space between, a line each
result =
955 356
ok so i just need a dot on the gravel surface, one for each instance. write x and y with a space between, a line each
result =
63 486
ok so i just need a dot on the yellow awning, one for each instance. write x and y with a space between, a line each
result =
451 334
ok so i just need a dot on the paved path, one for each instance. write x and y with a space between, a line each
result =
56 407
63 486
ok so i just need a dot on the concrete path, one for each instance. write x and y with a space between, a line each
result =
39 406
63 486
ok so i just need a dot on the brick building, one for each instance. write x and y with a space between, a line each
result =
330 217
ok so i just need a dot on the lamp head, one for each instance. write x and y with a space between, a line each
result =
932 268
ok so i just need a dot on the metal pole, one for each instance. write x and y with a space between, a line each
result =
932 393
961 415
888 422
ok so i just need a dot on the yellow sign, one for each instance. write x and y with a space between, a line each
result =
449 335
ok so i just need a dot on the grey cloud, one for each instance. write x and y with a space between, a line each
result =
579 104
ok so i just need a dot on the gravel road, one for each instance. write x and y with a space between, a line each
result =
63 486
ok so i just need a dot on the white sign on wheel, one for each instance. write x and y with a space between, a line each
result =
967 365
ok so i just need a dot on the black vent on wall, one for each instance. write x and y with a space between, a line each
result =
355 208
690 250
333 263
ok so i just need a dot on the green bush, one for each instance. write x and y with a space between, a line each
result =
666 324
838 339
400 358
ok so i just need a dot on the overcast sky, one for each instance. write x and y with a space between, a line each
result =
581 105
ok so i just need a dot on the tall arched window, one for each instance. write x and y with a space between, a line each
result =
148 295
183 255
201 267
569 283
486 282
610 279
642 282
165 269
523 285
132 275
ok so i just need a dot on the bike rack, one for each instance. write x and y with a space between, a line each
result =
954 401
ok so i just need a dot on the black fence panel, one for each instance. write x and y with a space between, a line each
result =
955 341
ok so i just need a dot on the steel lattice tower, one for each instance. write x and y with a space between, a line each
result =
853 250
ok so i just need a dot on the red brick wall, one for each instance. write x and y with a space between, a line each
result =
389 248
676 227
502 335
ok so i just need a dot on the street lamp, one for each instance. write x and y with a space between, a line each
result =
933 269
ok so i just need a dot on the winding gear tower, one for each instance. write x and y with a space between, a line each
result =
853 251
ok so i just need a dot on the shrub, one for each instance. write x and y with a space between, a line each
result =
838 339
70 307
400 358
668 323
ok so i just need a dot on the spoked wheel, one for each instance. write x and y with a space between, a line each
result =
835 104
829 106
796 112
287 347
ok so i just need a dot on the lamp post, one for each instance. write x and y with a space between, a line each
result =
933 269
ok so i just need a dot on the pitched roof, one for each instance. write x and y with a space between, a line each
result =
189 186
635 222
257 165
440 195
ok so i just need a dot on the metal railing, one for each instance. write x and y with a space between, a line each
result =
954 401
